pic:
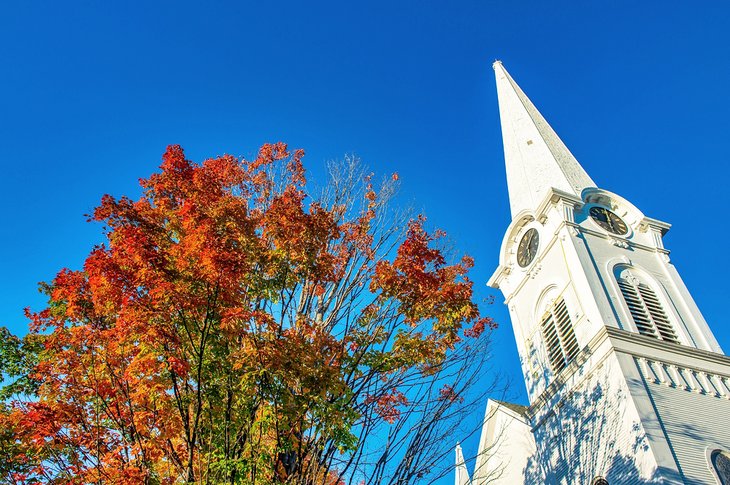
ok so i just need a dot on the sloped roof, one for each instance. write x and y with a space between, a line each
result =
518 408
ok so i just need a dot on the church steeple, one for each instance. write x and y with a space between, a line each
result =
617 359
535 157
462 474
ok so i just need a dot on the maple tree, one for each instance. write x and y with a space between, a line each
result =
235 329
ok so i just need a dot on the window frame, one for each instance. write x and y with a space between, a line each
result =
658 320
558 335
709 453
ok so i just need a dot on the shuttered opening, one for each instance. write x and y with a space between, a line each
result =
646 310
559 337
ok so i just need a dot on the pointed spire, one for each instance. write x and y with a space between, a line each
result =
462 474
535 157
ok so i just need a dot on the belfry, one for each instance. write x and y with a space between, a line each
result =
626 382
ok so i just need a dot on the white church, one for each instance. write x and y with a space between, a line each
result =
625 380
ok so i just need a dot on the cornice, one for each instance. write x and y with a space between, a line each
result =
649 223
623 339
620 241
574 230
552 199
626 342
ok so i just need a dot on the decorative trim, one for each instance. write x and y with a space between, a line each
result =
617 336
684 378
709 449
647 223
535 270
631 278
624 336
630 244
555 196
620 243
573 228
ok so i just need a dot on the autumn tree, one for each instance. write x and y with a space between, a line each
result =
238 327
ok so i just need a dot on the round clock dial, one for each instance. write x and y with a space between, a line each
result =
527 249
608 220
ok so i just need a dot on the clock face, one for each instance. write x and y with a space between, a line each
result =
608 220
527 249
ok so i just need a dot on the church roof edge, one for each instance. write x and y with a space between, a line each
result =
518 408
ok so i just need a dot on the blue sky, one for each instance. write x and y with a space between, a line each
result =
91 93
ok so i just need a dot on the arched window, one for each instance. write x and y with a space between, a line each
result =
559 337
721 462
646 309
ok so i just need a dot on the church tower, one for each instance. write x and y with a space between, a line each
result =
625 380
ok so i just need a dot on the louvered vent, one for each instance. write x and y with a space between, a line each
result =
646 310
557 331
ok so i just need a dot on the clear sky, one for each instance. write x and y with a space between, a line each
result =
91 93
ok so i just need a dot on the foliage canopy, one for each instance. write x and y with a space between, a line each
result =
234 329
